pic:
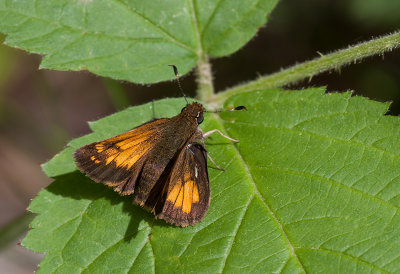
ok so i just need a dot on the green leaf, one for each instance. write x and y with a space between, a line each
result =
130 40
313 185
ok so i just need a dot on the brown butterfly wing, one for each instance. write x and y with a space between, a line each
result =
118 161
185 198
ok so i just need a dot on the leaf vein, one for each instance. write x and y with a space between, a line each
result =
196 29
106 35
251 179
211 17
39 36
270 256
141 248
329 180
73 234
351 257
213 221
235 232
232 27
154 25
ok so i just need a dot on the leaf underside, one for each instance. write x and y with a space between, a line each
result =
313 185
130 40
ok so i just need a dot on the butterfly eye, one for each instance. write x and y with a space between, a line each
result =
183 109
200 118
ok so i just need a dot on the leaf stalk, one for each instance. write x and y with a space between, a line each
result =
204 79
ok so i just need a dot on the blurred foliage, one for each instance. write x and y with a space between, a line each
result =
374 12
8 60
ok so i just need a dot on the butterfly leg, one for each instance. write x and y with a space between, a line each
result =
211 159
208 133
214 163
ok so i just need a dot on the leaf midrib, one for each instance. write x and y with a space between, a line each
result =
157 27
220 121
196 30
232 27
205 27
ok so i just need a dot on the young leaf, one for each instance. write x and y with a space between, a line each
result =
313 185
130 40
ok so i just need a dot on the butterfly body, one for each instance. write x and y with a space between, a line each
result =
161 162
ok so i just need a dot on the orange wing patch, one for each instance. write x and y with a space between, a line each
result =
99 148
128 143
126 149
128 157
94 160
187 203
173 195
183 196
113 160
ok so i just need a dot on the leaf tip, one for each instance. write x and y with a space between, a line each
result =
43 166
91 123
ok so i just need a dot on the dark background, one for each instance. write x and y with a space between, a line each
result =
40 110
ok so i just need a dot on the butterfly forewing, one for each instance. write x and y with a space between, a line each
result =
118 161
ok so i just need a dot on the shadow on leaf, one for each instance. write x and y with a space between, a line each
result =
77 186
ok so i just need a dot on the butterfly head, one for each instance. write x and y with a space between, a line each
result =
194 111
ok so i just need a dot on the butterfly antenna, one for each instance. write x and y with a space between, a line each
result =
231 109
179 82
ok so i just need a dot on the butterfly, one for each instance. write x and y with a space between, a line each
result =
162 162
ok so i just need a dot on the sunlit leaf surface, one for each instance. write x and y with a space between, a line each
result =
312 186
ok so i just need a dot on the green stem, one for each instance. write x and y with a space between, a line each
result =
204 80
308 69
205 86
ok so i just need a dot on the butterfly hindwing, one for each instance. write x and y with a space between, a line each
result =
187 192
118 161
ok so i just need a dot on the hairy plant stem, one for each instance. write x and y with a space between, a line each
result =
204 79
308 69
